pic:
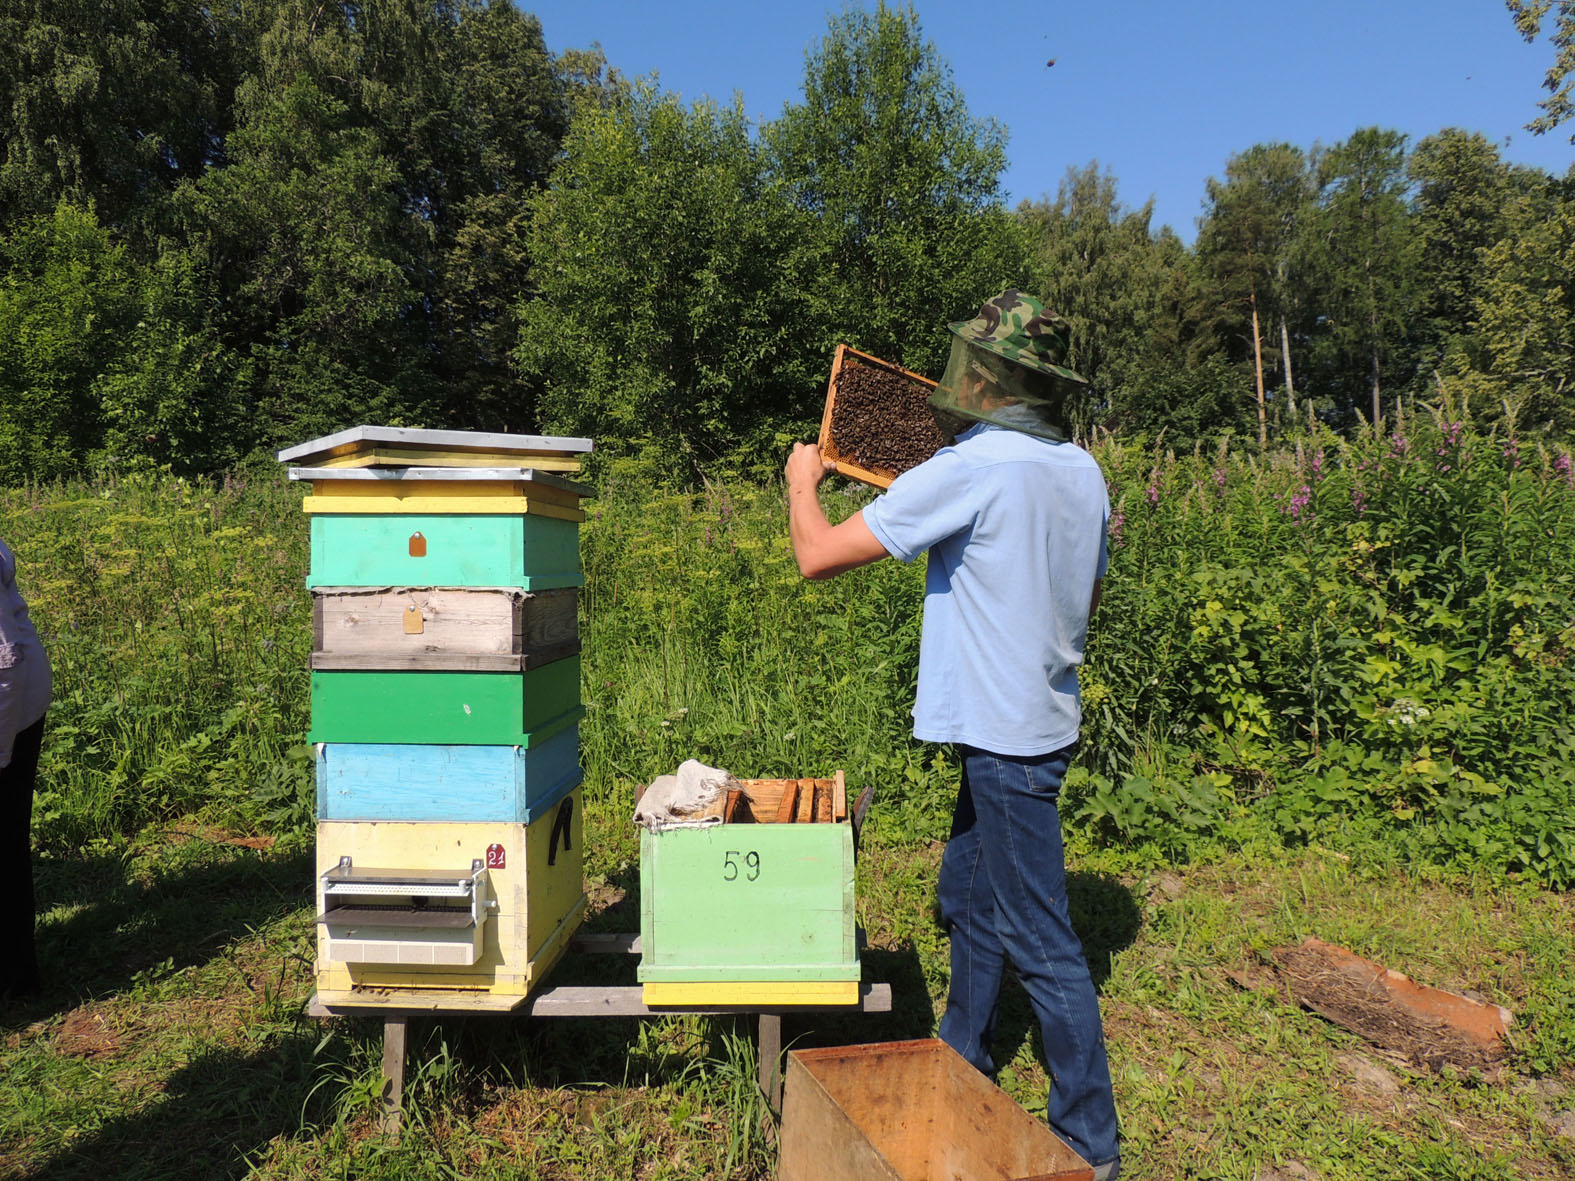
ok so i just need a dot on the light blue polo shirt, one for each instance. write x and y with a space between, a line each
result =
1015 526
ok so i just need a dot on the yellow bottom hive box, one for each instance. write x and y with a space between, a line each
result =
528 885
769 994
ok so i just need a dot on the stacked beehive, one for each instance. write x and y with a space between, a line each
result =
445 709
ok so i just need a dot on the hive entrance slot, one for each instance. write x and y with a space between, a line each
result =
390 916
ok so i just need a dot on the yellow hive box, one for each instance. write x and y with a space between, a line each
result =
767 994
442 490
534 898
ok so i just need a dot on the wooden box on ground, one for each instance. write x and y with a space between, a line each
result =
910 1111
533 874
758 910
455 629
527 551
377 446
847 465
472 709
400 781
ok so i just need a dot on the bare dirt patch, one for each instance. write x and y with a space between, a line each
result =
1292 1170
606 898
1370 1078
86 1033
195 831
1346 990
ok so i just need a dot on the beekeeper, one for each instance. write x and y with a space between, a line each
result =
1013 515
24 698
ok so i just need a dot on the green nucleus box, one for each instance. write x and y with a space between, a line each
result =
742 902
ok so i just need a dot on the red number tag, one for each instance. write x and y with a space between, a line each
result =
496 858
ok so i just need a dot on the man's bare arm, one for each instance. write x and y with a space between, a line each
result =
823 550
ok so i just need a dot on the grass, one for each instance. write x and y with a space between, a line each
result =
172 1042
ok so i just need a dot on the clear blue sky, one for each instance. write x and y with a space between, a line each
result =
1160 92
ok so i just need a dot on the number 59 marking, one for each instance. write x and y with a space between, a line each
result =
730 865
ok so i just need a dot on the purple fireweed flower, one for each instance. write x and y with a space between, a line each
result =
1359 500
1562 466
1299 500
1397 446
1152 495
1219 479
1118 522
1317 464
1512 451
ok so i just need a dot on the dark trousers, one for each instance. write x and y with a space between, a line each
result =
1003 897
18 960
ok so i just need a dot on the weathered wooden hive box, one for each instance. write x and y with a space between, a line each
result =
756 910
445 709
910 1111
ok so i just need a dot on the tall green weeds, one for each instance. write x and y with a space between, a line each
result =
1347 641
702 640
1351 638
179 631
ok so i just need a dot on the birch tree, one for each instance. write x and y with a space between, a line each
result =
1361 249
1529 15
1245 242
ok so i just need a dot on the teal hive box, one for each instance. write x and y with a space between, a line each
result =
440 549
753 900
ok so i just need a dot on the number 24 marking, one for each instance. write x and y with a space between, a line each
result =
730 865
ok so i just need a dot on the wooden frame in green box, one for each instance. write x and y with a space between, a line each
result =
748 902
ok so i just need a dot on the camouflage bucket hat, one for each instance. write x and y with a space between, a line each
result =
1018 328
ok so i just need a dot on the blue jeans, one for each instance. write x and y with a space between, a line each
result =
1003 896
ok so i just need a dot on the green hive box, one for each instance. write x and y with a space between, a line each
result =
747 902
502 709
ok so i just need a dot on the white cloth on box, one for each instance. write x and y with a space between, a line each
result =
678 800
25 682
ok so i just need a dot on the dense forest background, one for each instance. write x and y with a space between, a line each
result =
230 227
